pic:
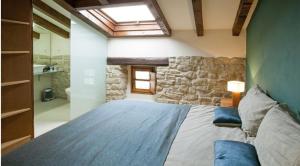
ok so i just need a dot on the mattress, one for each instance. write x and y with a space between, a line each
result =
193 145
118 133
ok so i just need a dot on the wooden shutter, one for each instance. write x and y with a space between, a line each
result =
152 82
16 73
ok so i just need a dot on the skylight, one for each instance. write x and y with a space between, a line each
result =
129 13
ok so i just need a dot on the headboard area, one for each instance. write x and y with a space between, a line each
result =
273 51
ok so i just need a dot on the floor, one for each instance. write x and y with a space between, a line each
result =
49 115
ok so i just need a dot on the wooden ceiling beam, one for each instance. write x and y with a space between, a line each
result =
197 8
108 4
44 8
89 4
159 16
51 27
104 2
123 1
241 16
85 3
99 22
36 35
136 27
99 15
153 61
68 6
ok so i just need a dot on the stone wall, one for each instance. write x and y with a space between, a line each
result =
41 59
187 80
61 80
116 82
197 80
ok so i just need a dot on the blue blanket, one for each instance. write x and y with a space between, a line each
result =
119 133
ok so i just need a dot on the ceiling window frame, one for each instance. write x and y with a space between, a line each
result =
133 5
89 13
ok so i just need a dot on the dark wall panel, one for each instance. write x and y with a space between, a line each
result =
273 50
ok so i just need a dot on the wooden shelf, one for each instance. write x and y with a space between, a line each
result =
10 145
15 52
15 22
17 116
14 83
12 113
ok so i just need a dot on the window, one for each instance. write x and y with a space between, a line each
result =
120 20
143 80
129 13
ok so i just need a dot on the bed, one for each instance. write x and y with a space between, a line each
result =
129 133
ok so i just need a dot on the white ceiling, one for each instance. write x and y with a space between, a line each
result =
217 14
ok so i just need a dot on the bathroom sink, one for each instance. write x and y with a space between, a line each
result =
37 68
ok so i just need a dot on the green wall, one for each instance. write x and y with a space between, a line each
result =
273 50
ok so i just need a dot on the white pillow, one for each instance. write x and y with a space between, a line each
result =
252 109
278 139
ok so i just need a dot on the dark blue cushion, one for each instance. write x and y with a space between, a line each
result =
227 117
233 153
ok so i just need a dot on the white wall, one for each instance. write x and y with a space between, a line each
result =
59 45
216 43
88 73
41 46
51 44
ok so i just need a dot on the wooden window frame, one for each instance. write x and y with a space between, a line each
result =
90 13
152 80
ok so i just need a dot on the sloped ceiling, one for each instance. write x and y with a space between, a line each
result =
58 8
217 14
37 12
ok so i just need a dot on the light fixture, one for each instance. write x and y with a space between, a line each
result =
236 87
134 13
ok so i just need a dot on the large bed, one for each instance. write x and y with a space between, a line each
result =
130 133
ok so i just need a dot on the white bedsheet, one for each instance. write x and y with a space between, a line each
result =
193 145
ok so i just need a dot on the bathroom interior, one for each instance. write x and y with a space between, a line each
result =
51 71
69 60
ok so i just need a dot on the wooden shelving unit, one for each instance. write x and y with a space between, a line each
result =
14 52
14 83
12 113
14 21
16 74
6 146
